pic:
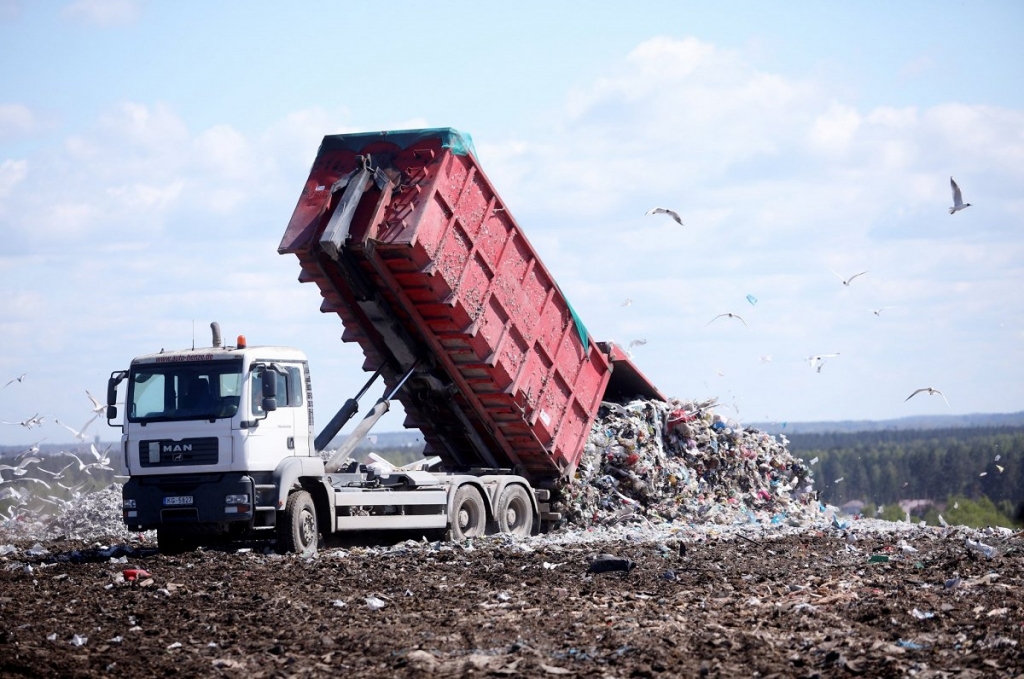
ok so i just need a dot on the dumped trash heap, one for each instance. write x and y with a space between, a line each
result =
678 461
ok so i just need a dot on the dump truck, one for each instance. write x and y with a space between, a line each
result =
412 248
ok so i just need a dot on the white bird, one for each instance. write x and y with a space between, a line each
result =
665 211
929 391
19 468
33 421
27 478
31 450
726 315
79 433
958 199
57 474
102 459
847 281
818 360
629 300
878 311
97 407
19 378
634 343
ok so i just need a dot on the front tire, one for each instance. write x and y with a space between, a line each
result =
469 516
297 527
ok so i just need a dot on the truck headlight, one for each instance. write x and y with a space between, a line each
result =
236 499
128 504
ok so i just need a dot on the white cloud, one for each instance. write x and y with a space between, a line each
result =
146 198
833 131
225 152
103 12
10 9
12 172
15 120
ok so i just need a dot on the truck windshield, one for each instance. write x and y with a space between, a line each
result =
199 390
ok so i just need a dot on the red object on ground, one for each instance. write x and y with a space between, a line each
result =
133 574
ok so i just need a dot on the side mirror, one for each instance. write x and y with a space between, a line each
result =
115 379
269 384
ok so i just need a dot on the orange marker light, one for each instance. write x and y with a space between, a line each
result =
241 342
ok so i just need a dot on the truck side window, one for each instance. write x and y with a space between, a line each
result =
294 387
288 390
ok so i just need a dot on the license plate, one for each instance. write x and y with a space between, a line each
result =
178 500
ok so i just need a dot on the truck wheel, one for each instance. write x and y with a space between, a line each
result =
515 511
297 527
468 518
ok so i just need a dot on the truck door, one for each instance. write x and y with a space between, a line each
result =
282 432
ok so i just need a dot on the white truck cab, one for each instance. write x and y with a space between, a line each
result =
208 435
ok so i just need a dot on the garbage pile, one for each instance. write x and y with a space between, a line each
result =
678 461
91 515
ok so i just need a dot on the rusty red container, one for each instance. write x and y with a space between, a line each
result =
437 248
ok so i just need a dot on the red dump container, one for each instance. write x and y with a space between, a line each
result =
413 248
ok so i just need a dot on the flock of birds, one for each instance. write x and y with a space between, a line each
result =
817 361
59 478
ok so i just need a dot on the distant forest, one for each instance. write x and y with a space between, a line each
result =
885 467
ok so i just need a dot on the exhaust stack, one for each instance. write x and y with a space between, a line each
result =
215 327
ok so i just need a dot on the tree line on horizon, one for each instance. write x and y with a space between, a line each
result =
883 468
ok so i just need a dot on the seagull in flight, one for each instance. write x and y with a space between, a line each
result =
97 407
79 433
665 211
958 199
19 469
19 378
878 312
726 315
635 343
26 478
627 302
33 421
819 360
928 390
847 281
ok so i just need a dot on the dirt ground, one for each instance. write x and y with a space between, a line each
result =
810 605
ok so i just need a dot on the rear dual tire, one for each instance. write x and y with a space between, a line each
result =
469 515
514 512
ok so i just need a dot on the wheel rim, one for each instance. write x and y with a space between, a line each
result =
307 527
512 516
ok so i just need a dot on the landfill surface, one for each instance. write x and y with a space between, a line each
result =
688 546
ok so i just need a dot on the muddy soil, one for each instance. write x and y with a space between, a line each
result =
809 605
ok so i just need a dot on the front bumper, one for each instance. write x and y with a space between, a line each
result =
198 499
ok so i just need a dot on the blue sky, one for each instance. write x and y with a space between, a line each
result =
151 154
